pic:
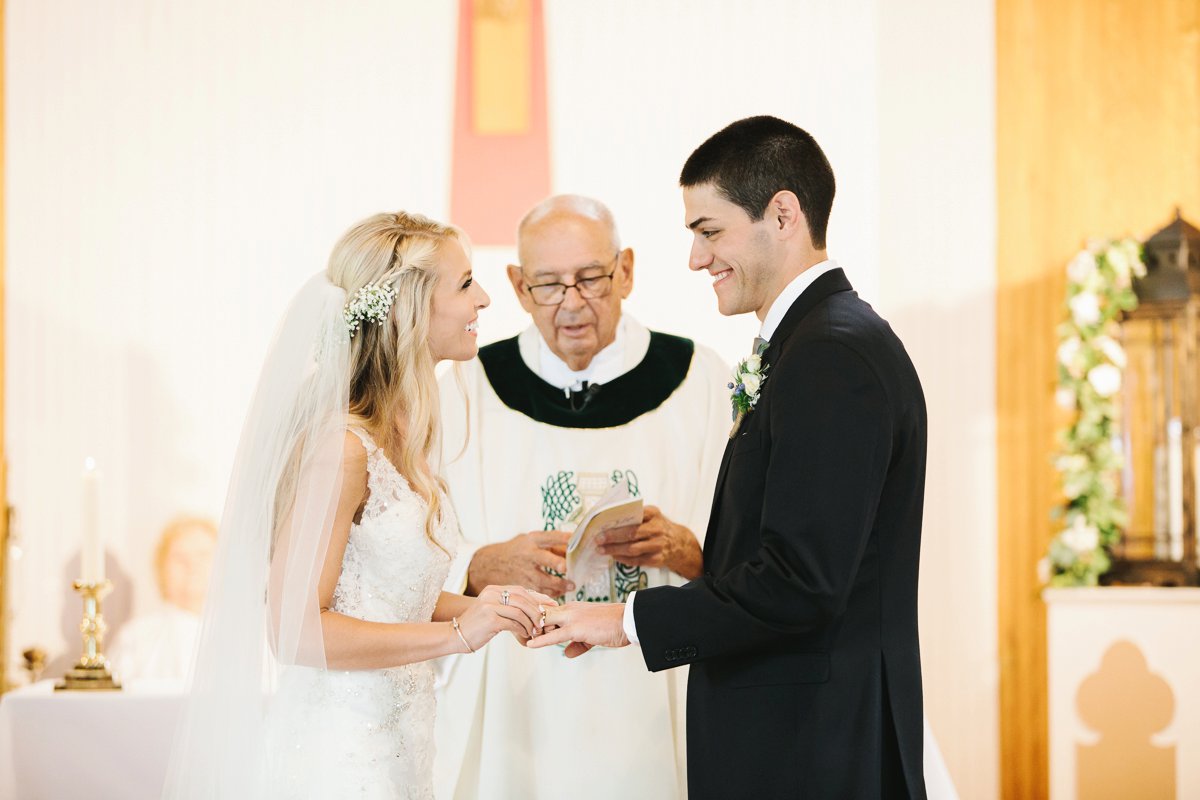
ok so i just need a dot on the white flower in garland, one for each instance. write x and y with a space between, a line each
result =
1085 308
1122 264
1082 267
1070 355
1080 536
1105 379
371 303
1112 350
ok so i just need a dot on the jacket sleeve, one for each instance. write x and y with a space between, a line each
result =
830 435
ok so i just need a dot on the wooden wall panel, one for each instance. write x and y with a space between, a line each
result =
4 626
1098 134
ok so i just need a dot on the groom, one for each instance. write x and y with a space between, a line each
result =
802 633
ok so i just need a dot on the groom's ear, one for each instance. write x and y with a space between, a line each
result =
785 216
517 279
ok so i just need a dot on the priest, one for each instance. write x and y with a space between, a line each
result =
535 431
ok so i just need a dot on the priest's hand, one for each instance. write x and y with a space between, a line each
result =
522 560
583 626
657 542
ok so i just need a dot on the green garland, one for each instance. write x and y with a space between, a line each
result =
1090 364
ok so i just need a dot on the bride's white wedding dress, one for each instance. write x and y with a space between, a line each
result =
368 733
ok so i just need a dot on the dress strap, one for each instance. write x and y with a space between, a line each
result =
365 438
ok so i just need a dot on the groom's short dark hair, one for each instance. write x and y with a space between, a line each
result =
754 158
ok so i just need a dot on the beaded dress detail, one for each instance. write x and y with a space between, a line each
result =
369 733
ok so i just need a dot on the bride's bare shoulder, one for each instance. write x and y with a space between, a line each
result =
354 463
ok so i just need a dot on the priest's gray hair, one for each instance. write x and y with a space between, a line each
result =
574 205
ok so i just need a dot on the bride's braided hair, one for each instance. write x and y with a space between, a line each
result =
393 389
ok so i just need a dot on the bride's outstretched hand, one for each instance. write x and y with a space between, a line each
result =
503 608
584 626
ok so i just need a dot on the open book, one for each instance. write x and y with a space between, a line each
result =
615 509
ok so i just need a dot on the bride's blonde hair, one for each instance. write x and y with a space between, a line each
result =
393 389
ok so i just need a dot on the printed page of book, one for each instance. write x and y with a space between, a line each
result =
616 509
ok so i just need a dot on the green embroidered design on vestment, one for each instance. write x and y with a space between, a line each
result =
566 496
560 500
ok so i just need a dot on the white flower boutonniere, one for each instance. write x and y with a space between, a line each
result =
748 378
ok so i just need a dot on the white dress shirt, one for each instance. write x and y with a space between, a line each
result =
789 294
770 324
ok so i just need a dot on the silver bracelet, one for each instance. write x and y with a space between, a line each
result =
458 630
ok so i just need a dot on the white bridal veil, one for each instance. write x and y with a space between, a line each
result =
262 609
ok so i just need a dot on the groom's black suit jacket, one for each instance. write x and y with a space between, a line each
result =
802 634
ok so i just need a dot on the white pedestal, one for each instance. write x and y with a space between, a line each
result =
1124 692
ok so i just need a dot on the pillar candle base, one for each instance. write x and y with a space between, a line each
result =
91 679
91 672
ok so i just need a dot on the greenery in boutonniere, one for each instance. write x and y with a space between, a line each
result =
747 382
1090 364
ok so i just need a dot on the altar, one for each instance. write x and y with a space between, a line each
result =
99 745
116 745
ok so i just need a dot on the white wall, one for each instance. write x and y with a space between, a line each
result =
176 169
937 286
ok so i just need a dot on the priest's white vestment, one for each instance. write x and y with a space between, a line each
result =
516 723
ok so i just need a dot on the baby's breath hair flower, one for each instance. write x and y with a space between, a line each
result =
371 303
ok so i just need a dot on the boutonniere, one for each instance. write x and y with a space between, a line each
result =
748 378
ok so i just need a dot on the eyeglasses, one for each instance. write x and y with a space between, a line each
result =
590 288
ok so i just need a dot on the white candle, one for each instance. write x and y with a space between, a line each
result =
1175 487
92 552
1196 484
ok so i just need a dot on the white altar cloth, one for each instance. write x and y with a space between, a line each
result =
98 745
115 745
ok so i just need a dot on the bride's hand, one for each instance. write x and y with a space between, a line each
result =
490 614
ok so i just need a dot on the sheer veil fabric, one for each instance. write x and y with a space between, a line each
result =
262 611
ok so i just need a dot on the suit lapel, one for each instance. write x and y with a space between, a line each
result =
828 284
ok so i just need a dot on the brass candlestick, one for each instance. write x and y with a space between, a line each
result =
92 672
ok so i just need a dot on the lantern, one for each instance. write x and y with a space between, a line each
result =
1161 409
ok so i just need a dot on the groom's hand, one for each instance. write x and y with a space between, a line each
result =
657 542
522 560
583 625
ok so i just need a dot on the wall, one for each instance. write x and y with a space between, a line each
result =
177 170
937 245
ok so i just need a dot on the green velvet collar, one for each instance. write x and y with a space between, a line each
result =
621 400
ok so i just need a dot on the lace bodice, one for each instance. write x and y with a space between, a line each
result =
391 571
369 733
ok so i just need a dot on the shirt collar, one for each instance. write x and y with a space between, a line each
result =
609 363
789 295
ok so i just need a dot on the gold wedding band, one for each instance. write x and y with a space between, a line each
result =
542 623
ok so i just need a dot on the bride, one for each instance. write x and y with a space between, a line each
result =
312 676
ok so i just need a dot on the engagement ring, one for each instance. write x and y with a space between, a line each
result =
504 597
